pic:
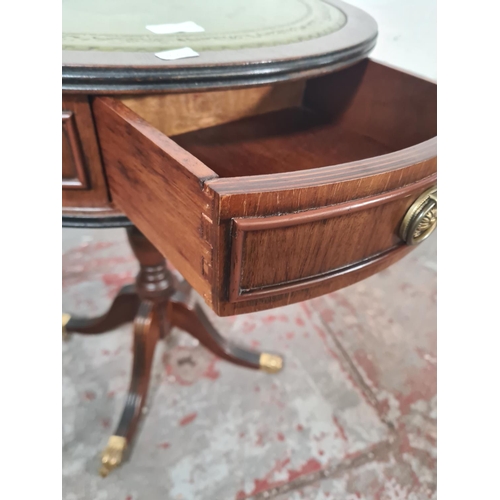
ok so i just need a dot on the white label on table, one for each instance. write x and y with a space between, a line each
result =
172 55
167 29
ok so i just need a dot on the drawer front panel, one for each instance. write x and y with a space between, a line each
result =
83 181
286 253
74 175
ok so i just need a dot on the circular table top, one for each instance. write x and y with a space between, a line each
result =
107 47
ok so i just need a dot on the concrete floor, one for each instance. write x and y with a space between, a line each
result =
352 415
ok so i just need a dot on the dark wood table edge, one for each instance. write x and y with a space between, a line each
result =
86 222
131 80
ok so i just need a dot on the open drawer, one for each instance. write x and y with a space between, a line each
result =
286 205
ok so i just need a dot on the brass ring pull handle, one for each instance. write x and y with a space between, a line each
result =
421 219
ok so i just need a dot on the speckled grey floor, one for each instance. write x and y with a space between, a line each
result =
352 415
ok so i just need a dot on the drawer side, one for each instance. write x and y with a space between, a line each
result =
159 186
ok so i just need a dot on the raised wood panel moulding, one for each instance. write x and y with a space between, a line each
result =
252 278
73 164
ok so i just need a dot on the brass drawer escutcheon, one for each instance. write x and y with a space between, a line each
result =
421 219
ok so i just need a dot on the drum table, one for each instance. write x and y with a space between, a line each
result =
277 165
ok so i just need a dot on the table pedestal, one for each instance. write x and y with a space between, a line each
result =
155 304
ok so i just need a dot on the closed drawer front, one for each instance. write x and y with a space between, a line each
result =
287 205
83 180
74 171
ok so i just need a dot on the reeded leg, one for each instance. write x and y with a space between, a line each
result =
122 310
195 322
147 330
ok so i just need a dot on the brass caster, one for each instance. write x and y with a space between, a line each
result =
112 455
65 319
270 363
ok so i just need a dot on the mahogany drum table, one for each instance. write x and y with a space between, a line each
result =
279 164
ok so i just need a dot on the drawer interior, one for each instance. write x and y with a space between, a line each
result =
361 112
296 138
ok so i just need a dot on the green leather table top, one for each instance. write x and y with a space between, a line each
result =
107 47
120 25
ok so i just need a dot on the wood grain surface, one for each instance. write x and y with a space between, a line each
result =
298 250
175 114
74 173
289 140
81 161
158 186
394 107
